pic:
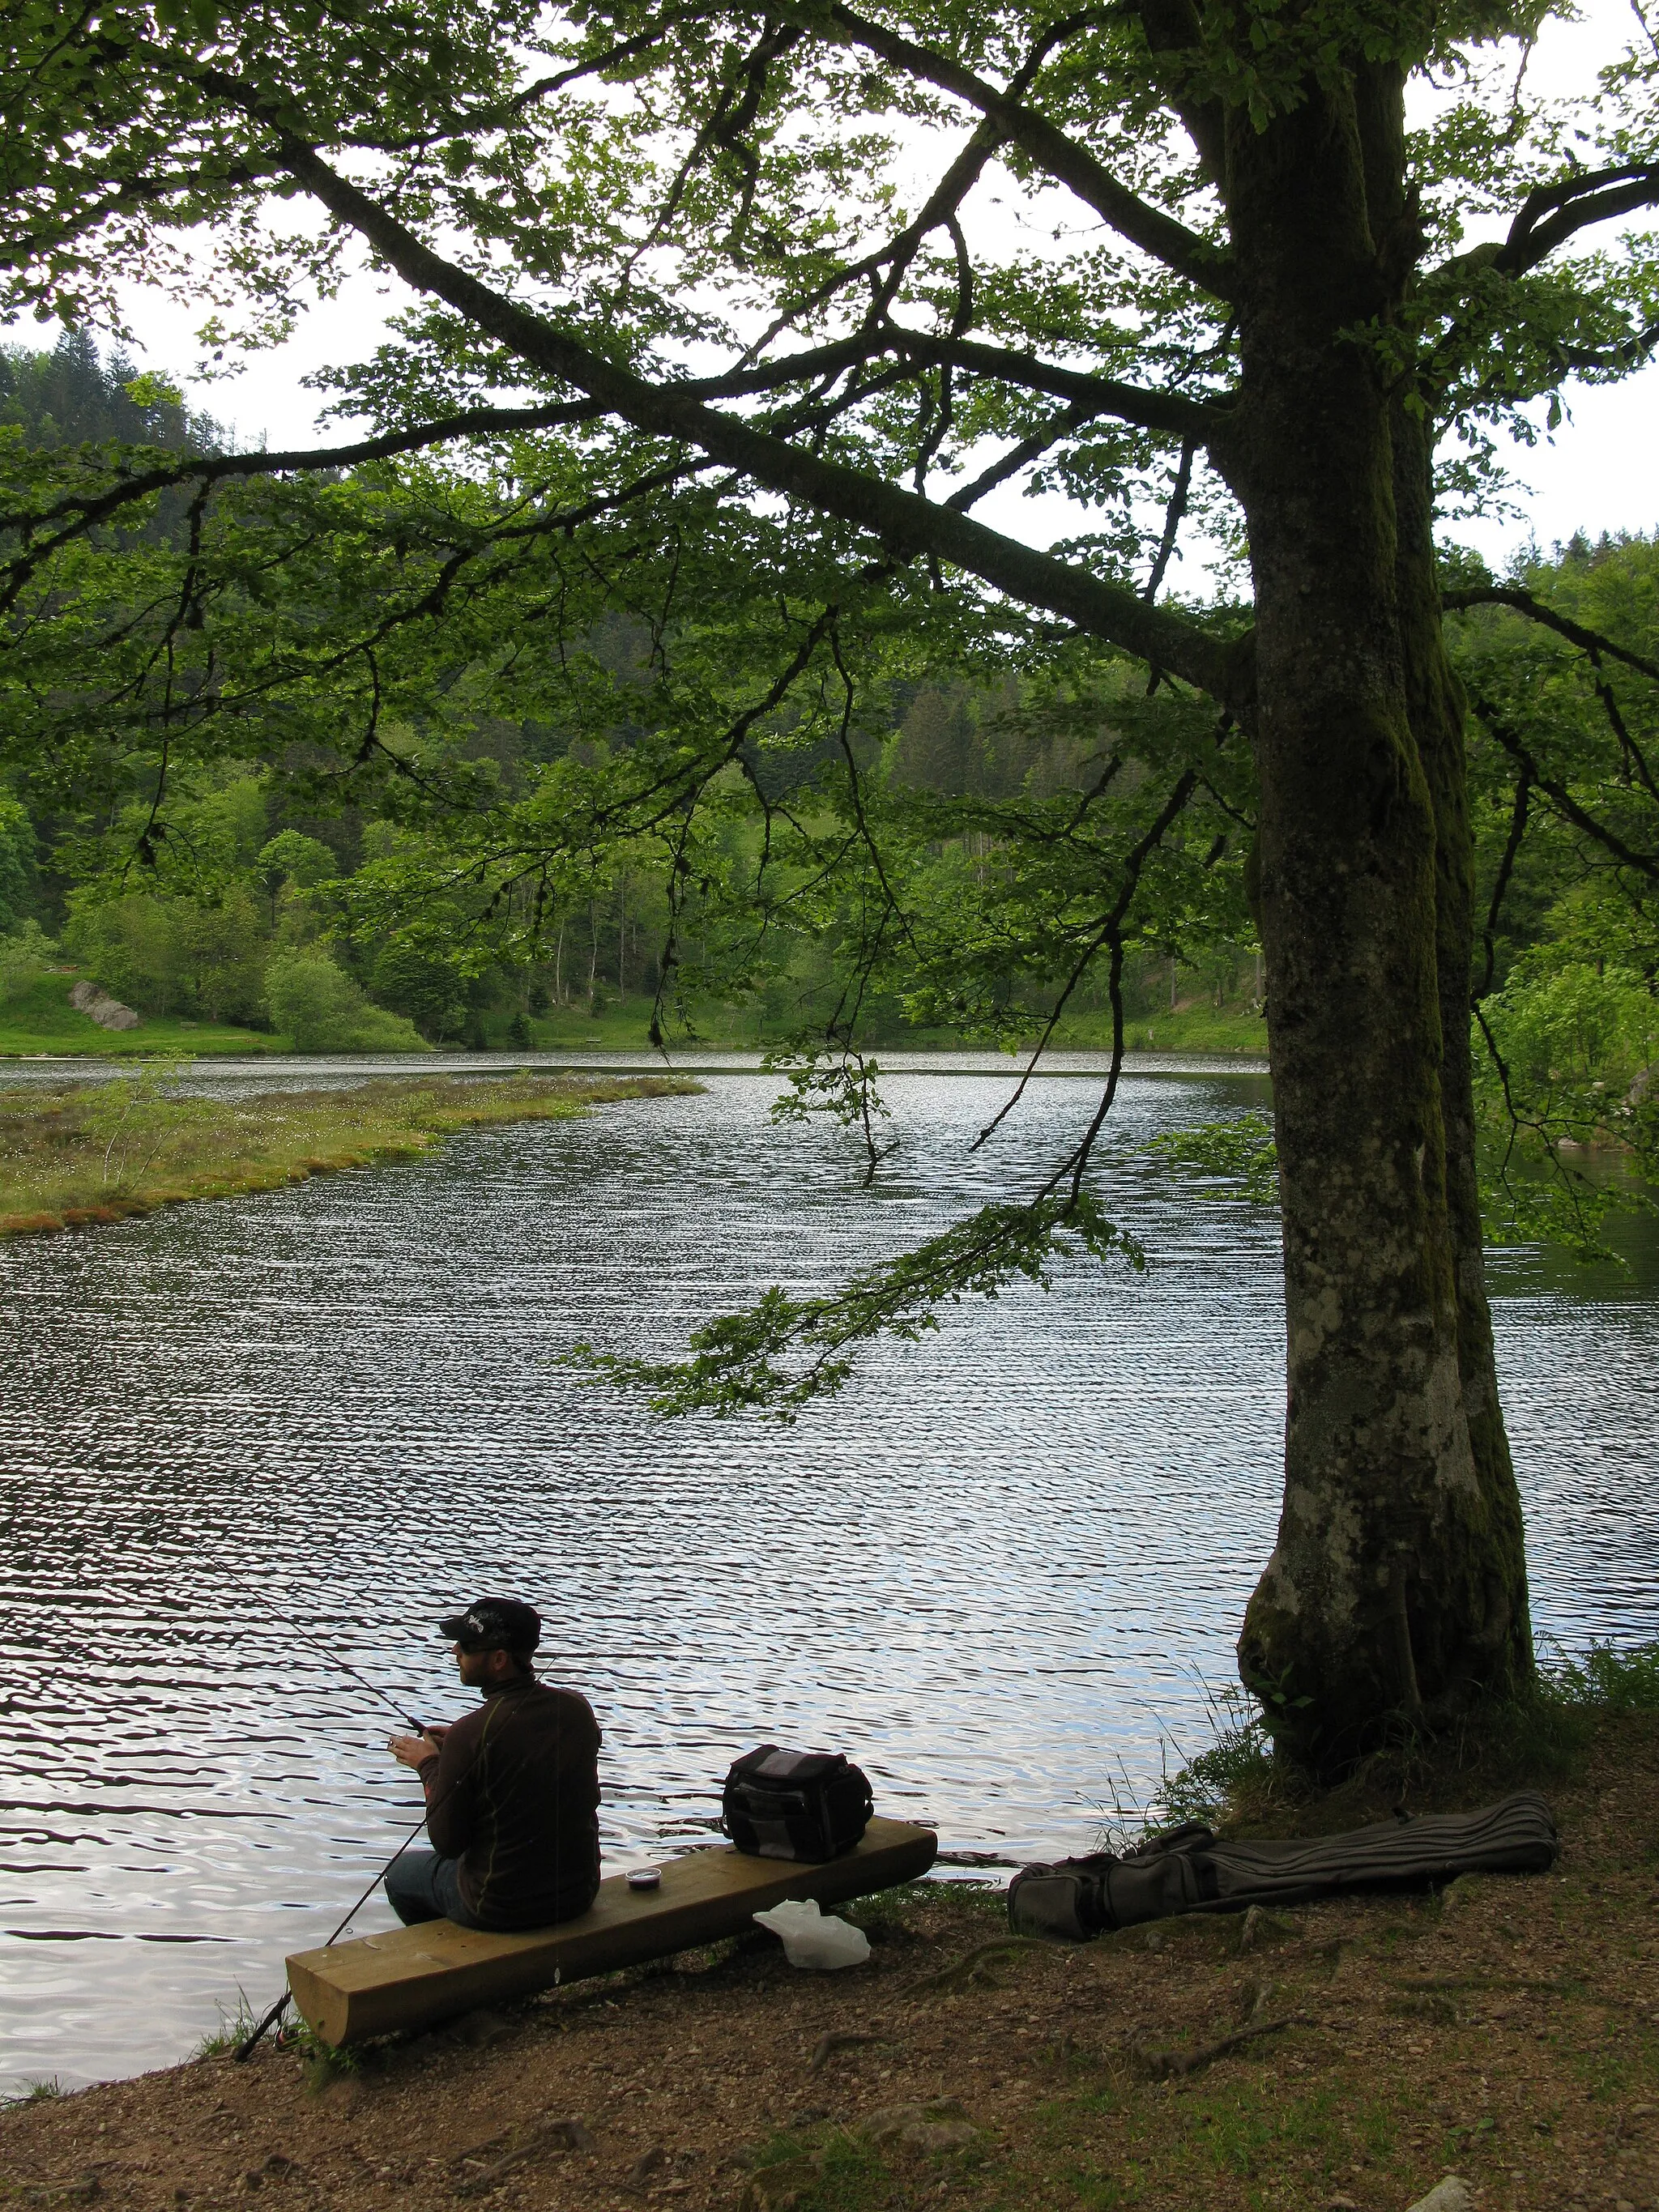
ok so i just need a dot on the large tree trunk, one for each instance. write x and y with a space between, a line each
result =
1494 1622
1388 1592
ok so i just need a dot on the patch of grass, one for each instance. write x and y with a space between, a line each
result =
1196 1029
39 2091
822 2170
321 2062
1237 1776
1607 1679
1239 1781
40 1019
882 1912
233 2029
622 1026
101 1152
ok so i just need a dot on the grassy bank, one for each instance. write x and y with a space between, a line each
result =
99 1151
40 1019
1240 1786
1340 2058
1200 1027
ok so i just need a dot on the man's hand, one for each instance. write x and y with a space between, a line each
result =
416 1750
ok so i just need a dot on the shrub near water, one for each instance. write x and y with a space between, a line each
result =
314 1001
24 956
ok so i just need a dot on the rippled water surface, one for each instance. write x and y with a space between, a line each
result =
995 1571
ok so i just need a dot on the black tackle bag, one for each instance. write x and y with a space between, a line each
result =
1187 1870
795 1804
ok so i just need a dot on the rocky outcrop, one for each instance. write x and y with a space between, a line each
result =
93 1001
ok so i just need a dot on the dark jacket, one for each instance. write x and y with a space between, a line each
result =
513 1795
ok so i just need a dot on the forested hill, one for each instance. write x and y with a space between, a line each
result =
208 888
72 397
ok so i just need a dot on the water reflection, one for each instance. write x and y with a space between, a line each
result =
995 1571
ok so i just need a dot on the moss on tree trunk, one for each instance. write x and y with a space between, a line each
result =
1397 1585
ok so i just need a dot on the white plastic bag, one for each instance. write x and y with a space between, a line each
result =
812 1938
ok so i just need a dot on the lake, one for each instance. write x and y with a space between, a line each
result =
1000 1570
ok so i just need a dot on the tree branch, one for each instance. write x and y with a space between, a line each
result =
907 524
1172 27
953 188
1109 931
1588 640
85 513
1173 515
1155 233
1554 213
1512 843
967 496
1173 411
1561 797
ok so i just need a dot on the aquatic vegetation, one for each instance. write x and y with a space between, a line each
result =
97 1152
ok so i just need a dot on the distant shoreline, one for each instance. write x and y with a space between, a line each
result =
1085 1063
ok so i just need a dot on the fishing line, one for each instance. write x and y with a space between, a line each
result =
244 2049
316 1645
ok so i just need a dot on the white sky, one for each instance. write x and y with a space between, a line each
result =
1597 473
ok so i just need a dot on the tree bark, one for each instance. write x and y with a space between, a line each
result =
1382 1601
1494 1620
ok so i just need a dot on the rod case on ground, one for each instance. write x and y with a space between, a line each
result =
810 1805
1187 1870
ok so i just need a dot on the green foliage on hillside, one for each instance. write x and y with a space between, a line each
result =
523 847
520 841
1565 786
74 396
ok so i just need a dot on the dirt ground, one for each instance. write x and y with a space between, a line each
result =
1508 2032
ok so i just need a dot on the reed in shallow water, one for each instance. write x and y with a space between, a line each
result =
99 1151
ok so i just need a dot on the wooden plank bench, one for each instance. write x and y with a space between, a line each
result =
411 1977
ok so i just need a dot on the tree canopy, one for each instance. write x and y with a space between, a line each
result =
727 325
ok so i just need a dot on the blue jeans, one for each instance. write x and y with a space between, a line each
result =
420 1885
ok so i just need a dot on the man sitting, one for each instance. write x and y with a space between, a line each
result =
512 1790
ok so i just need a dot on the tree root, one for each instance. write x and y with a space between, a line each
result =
841 2039
1484 1982
1170 2065
545 2135
963 1969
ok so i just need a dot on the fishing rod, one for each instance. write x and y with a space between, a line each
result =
244 2049
249 2042
323 1649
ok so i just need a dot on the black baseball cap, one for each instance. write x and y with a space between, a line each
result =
494 1624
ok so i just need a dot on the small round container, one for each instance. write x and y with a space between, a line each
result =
645 1878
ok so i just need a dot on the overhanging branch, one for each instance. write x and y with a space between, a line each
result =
907 524
1560 797
82 512
1588 640
1155 233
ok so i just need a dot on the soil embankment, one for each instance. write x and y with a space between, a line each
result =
1344 2056
101 1152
